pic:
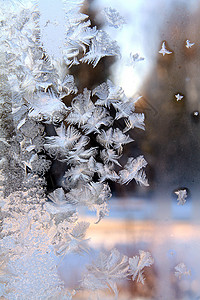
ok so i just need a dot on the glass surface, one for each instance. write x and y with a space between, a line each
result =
150 218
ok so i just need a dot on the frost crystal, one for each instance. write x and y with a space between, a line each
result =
134 170
188 44
101 45
163 50
105 271
109 155
134 120
74 241
113 17
58 146
181 270
182 195
93 195
134 58
81 109
111 267
86 136
137 264
178 97
45 106
120 139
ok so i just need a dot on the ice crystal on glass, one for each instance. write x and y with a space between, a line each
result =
106 270
181 270
134 169
113 17
189 44
163 50
182 195
134 58
137 264
39 128
110 267
178 97
101 45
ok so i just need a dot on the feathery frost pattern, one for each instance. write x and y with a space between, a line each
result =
86 136
134 169
106 270
113 18
181 270
58 146
111 267
101 45
137 264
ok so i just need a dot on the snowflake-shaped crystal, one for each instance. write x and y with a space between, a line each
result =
163 50
181 270
178 97
182 195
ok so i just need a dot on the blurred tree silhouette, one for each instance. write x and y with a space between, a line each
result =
172 137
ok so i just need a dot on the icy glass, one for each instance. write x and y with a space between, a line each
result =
99 152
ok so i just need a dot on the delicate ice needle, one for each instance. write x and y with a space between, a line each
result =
163 50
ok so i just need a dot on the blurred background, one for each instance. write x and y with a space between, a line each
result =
149 218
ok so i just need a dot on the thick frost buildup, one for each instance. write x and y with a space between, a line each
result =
39 42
